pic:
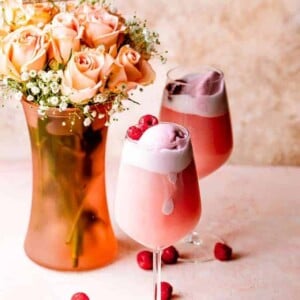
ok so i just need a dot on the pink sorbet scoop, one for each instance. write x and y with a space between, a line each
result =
209 83
163 136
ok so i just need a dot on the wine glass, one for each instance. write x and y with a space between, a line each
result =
157 198
196 98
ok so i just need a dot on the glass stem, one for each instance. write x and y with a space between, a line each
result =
157 273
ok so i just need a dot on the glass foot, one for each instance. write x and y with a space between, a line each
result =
198 247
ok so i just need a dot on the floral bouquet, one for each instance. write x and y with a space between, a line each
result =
73 54
72 64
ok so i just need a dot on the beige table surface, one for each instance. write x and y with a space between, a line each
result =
255 209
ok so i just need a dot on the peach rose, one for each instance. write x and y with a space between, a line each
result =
65 34
68 20
15 16
100 27
41 13
83 76
130 68
23 50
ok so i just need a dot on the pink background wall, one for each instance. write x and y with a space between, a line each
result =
257 45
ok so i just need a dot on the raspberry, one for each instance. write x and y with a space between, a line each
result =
222 251
149 120
134 132
143 127
80 296
170 255
175 88
145 259
166 290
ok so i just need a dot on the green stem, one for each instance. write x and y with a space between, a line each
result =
74 225
76 246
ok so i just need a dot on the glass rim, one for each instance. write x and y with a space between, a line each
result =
55 112
201 69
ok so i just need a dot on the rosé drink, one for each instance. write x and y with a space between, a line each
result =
198 101
158 199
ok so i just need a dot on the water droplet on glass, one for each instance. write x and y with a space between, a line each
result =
168 207
172 177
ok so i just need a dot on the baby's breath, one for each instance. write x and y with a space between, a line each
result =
87 121
86 109
63 105
24 76
35 90
32 73
54 87
94 114
42 109
44 87
30 98
53 101
103 3
142 39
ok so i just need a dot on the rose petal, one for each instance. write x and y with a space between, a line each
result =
101 27
79 79
25 48
37 63
66 20
117 75
7 68
80 96
82 76
107 39
148 73
137 69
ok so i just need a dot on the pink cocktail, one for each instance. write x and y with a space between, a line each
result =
196 98
198 101
157 198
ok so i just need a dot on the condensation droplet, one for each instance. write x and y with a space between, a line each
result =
168 207
172 177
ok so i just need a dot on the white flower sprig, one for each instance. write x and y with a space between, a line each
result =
117 61
44 89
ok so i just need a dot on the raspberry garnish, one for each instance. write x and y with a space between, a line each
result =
134 132
222 251
80 296
170 255
166 290
145 259
143 127
149 120
175 87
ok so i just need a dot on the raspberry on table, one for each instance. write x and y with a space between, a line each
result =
170 255
166 290
145 259
222 251
80 296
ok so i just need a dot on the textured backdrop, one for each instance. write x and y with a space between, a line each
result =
257 45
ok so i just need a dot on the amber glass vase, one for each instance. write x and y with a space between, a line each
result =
69 226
